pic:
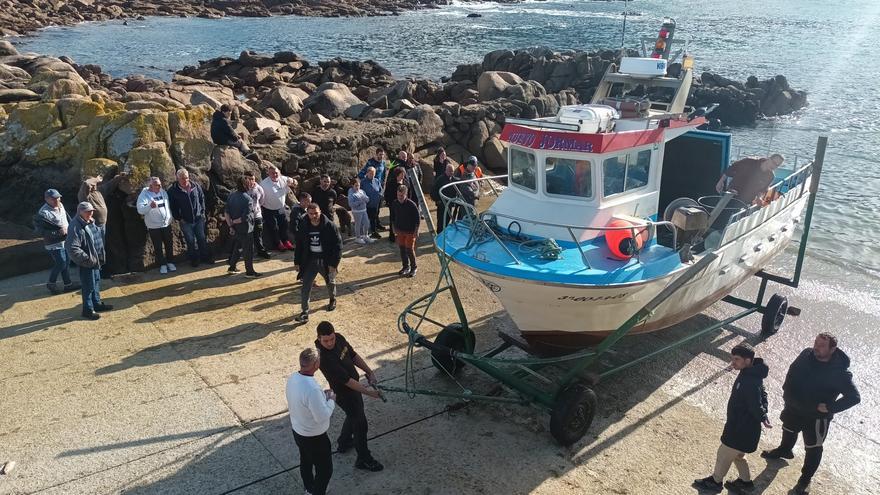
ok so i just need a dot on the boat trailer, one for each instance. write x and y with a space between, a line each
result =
567 394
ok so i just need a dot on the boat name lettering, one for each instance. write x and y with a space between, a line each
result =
522 138
551 142
592 298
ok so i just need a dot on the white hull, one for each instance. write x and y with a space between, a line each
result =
584 313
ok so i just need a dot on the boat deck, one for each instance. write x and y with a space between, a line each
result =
489 256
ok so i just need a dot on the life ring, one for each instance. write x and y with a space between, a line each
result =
621 242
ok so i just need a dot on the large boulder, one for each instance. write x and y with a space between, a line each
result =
56 148
64 87
149 160
98 167
26 125
6 49
191 143
493 84
144 127
79 111
285 100
494 155
15 95
331 100
430 124
227 165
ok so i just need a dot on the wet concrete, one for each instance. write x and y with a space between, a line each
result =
181 390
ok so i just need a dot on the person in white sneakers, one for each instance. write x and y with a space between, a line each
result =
357 201
153 205
310 410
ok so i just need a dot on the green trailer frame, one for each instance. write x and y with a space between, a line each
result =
568 396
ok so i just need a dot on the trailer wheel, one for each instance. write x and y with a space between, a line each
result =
774 314
453 337
573 413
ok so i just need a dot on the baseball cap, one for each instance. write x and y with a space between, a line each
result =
52 193
84 206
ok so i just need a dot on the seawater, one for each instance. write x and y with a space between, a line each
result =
822 47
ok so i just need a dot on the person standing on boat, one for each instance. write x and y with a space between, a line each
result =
406 229
338 364
750 177
746 411
818 386
310 410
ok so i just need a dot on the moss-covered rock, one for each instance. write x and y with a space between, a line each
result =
27 124
151 159
79 110
61 88
97 167
55 149
144 127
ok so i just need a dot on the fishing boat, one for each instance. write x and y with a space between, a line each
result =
607 203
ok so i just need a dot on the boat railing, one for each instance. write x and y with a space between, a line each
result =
484 225
789 189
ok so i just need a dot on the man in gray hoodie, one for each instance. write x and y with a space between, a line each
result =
85 247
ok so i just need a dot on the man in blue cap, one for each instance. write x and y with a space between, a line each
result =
51 222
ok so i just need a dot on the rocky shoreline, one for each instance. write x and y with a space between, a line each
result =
19 17
61 121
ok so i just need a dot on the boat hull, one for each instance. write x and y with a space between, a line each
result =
559 317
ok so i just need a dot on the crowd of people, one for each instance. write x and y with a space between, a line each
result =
261 215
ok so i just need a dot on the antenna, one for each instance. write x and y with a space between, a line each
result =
623 34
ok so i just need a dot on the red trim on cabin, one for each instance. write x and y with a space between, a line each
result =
539 139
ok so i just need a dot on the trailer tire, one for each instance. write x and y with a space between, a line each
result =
573 413
453 337
774 314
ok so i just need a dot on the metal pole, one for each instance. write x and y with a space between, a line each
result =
821 145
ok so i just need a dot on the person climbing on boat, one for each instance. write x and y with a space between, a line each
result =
471 165
750 177
746 411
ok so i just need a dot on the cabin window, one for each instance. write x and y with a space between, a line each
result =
522 168
626 172
567 177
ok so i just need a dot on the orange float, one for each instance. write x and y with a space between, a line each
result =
622 244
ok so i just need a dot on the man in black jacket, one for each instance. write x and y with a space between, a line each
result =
223 134
406 229
746 411
318 251
441 180
187 200
818 386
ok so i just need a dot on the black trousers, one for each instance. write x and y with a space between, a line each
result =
162 237
258 236
354 429
814 431
276 226
373 215
315 462
242 246
441 214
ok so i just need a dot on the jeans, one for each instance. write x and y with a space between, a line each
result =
315 454
162 237
309 273
275 224
90 279
354 429
195 233
361 223
242 244
60 266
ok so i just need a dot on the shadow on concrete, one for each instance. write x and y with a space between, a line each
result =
222 342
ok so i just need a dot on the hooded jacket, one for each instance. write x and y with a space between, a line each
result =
331 243
158 217
810 382
222 132
746 408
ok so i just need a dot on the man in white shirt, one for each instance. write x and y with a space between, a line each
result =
310 410
276 186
